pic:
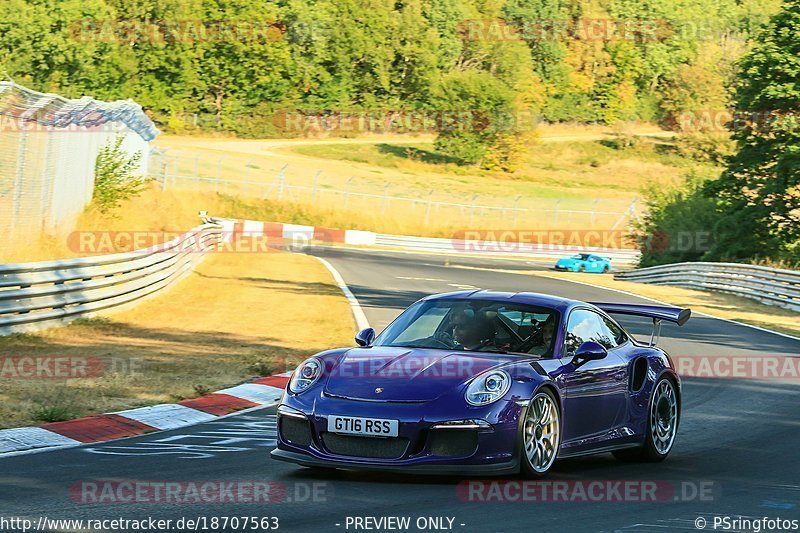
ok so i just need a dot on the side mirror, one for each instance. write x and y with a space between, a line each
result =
589 351
365 337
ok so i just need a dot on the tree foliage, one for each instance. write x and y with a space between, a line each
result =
568 60
753 208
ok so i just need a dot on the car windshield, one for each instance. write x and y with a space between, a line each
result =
474 325
582 257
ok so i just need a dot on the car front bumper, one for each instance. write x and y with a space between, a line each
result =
426 443
305 459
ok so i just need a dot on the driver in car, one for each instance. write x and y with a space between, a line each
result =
543 340
473 333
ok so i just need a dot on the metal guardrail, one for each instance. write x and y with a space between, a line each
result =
432 244
50 293
771 286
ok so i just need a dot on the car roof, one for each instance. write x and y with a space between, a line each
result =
531 298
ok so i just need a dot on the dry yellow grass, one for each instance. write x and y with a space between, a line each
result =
237 316
568 170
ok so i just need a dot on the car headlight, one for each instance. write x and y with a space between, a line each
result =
306 375
488 388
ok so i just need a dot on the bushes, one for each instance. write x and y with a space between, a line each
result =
679 226
114 178
706 147
505 153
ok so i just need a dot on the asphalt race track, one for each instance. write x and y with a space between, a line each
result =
739 437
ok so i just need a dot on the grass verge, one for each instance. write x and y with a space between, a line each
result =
236 317
574 179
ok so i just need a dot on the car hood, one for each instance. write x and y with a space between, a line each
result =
406 374
566 261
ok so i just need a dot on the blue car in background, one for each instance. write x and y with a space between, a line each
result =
584 263
481 382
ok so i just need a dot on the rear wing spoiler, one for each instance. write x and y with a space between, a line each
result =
678 315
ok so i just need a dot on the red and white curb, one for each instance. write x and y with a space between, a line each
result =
261 392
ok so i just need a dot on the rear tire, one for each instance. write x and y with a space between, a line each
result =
663 415
606 270
541 435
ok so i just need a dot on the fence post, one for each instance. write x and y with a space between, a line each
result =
555 213
516 203
19 179
594 212
219 174
428 208
281 179
472 208
175 169
164 177
247 168
316 183
347 191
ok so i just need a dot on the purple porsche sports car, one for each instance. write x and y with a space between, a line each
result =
482 382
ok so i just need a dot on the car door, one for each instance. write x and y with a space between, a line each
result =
595 391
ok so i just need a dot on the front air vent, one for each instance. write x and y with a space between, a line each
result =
295 431
453 442
370 447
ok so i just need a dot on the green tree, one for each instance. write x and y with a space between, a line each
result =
48 46
759 193
114 175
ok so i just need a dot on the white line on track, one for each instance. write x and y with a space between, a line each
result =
358 313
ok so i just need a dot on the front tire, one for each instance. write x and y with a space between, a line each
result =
541 435
663 415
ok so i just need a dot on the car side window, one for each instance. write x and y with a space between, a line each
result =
618 334
585 325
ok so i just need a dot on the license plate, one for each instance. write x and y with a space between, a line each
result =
370 427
